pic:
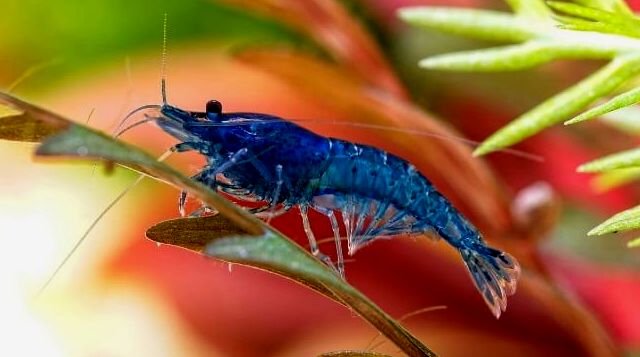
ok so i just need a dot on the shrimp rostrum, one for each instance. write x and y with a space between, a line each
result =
263 158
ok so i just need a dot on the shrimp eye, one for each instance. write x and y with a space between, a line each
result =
214 107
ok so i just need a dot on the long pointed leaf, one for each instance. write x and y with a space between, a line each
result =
617 6
563 105
612 179
623 100
621 160
623 221
530 8
585 12
482 24
508 58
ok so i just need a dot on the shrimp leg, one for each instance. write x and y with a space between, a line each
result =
336 236
313 244
203 175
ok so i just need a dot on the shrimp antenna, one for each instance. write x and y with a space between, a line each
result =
95 223
163 80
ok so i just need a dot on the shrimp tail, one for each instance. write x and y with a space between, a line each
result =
494 273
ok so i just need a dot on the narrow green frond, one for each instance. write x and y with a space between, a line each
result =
508 58
584 12
482 24
610 180
529 8
599 27
623 221
634 243
563 105
623 100
578 24
622 160
617 6
583 18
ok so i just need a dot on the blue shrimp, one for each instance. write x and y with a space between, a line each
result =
264 158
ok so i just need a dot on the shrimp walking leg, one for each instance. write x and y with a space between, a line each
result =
336 236
312 239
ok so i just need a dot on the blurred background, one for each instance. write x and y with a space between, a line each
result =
122 295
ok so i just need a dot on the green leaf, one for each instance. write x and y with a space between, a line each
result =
530 8
585 12
600 21
572 23
482 24
508 58
20 121
563 105
612 179
617 6
634 243
622 160
253 243
623 100
275 253
623 221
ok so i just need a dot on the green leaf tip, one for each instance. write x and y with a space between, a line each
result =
620 222
635 243
530 8
618 102
622 160
557 108
481 24
507 58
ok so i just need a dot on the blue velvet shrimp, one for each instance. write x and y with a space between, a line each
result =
264 158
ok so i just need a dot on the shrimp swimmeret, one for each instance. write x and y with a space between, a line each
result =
249 156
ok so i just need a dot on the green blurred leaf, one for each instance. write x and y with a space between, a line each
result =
508 58
585 12
616 178
529 8
623 100
252 242
621 160
599 20
617 6
560 107
482 24
623 221
634 243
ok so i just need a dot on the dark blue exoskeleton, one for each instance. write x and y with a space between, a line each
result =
263 158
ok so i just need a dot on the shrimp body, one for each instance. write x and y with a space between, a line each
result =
258 157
